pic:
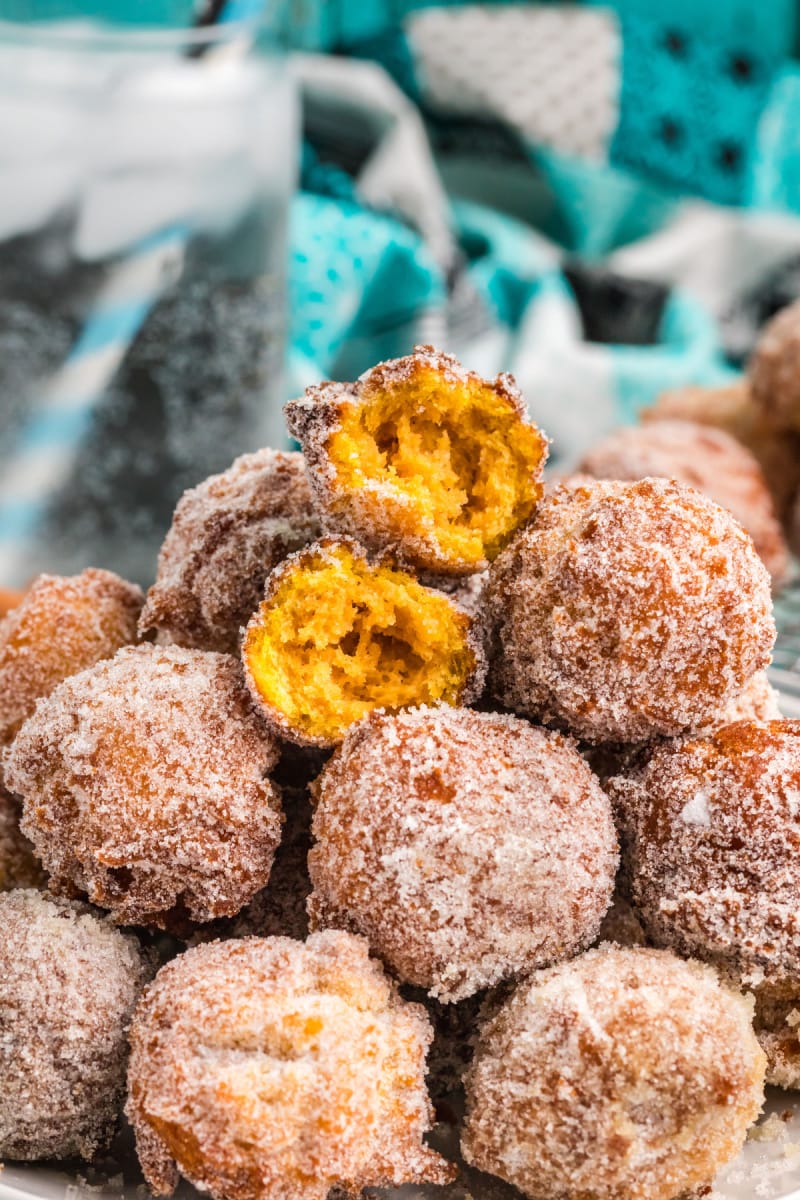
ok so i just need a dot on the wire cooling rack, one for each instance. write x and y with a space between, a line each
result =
785 669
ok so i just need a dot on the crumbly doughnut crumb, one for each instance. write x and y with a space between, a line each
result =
338 635
422 458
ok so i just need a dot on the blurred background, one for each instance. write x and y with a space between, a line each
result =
206 207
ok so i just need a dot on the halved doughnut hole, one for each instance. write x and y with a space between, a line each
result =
456 448
339 638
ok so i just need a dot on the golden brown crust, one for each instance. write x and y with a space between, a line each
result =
318 556
627 611
61 625
623 1075
705 458
143 785
711 824
378 511
226 536
268 1068
468 847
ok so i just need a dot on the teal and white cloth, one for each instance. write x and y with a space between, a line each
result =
477 150
603 199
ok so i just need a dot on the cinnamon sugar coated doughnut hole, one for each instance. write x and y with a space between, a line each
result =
424 458
466 846
337 636
273 1068
627 610
61 625
774 369
68 985
714 849
732 409
708 459
626 1074
712 826
226 536
19 866
729 407
143 786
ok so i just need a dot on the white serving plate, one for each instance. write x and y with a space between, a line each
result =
768 1167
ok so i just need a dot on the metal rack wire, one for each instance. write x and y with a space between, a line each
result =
785 670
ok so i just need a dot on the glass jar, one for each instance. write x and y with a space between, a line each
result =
146 177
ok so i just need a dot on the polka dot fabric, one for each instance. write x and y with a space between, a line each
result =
553 74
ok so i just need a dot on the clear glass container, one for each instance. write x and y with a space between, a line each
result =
145 178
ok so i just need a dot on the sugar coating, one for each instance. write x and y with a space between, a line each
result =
143 786
733 409
62 625
378 515
774 369
272 1068
466 846
625 1074
19 866
226 536
627 611
713 830
466 592
777 1027
757 702
705 458
279 909
68 984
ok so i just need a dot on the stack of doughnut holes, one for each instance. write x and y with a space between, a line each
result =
412 791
